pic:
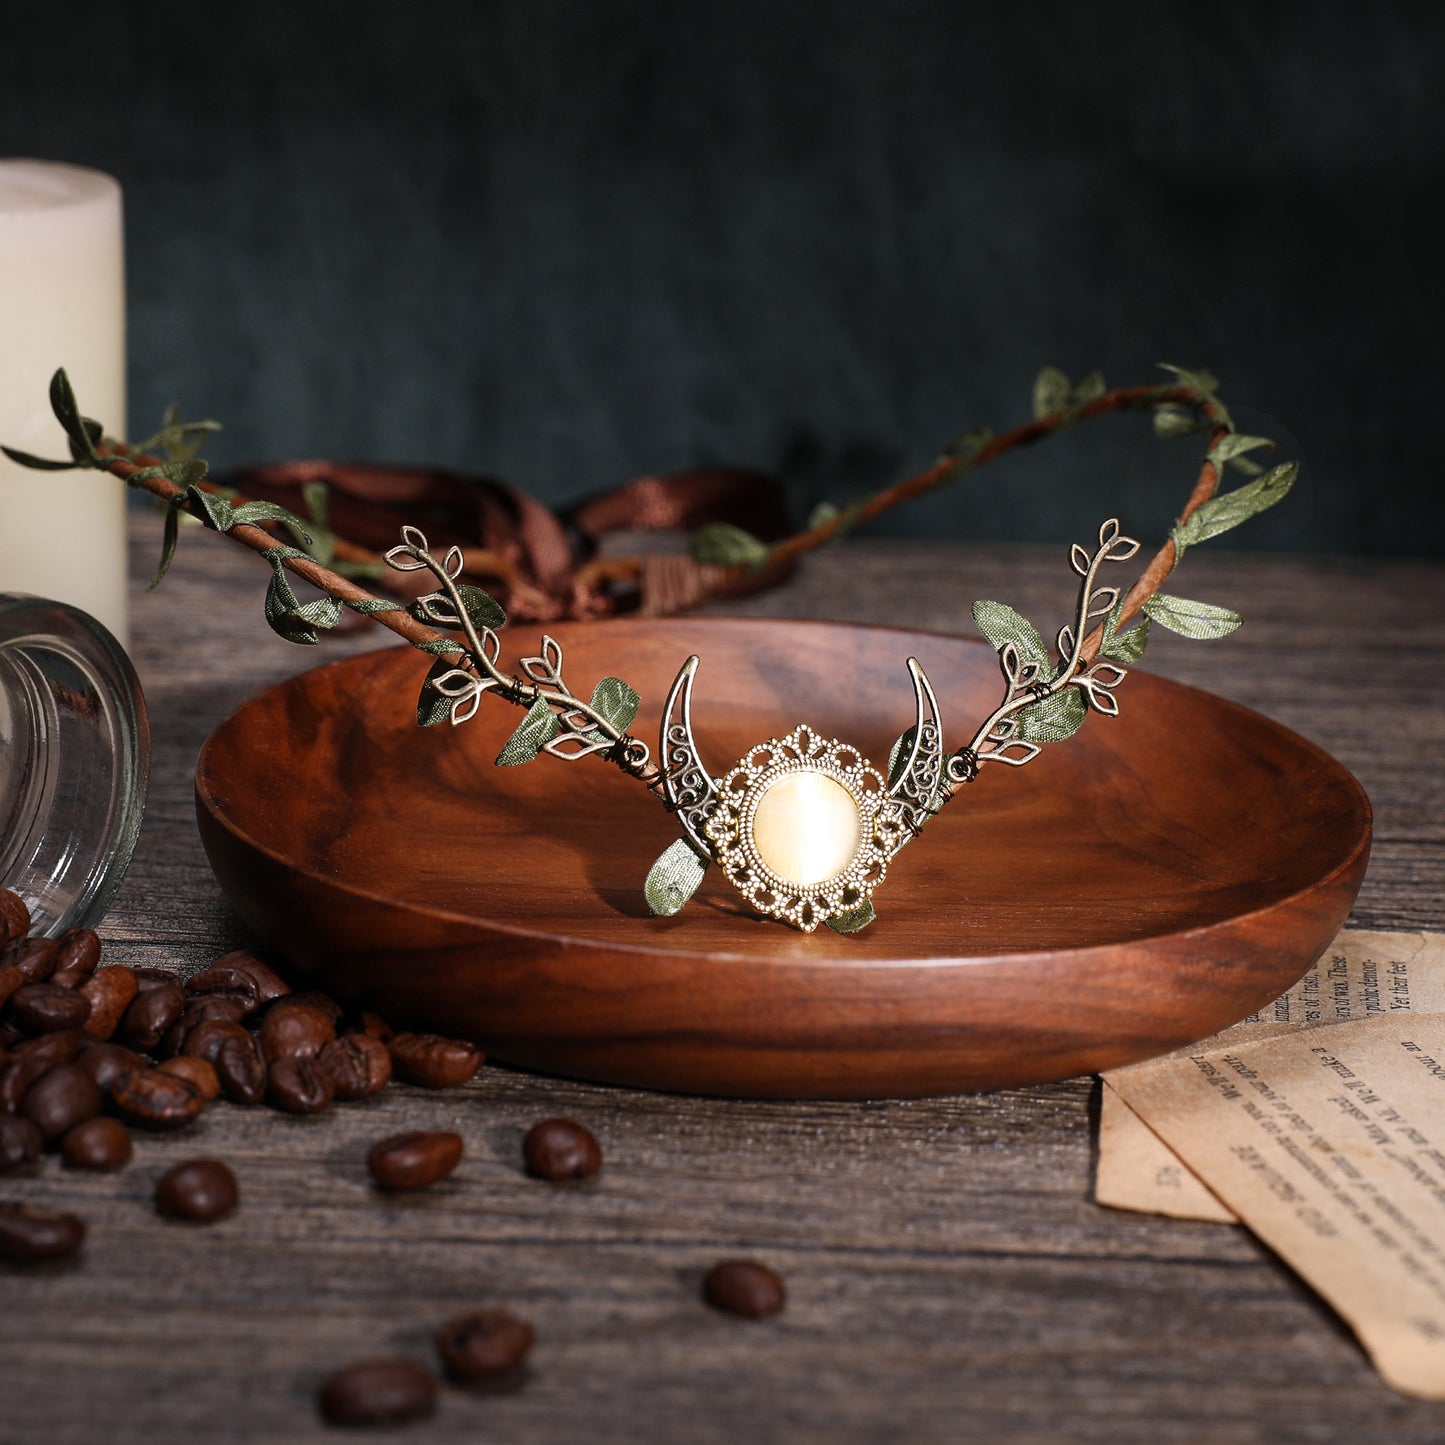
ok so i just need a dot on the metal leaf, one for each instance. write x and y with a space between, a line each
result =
1105 674
571 746
1015 754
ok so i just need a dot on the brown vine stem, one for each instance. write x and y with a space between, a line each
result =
259 540
945 470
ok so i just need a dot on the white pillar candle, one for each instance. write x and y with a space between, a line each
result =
62 303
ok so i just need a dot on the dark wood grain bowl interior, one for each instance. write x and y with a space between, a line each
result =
1137 887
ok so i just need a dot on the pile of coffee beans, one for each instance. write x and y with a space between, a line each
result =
89 1052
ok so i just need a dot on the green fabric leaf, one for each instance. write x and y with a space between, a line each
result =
39 464
483 609
433 707
1199 379
1123 646
216 512
83 432
1001 624
1204 382
253 512
1091 388
177 440
898 754
1052 719
1221 513
969 445
1232 449
287 617
1191 619
533 733
185 474
616 702
674 878
1175 421
1052 392
168 545
854 921
316 497
723 545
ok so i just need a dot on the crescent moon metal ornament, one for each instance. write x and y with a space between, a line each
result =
802 826
687 787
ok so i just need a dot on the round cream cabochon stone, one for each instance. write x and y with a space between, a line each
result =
806 827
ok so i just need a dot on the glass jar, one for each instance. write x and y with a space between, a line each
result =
74 761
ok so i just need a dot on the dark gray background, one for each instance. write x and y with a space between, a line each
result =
570 242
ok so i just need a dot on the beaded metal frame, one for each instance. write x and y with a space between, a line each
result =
729 828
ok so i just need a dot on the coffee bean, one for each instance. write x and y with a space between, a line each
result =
53 1049
206 1007
433 1061
77 956
293 1030
29 1235
20 1142
744 1287
379 1392
10 979
412 1161
154 1009
34 957
560 1149
59 1100
14 917
30 1061
196 1071
200 1189
99 1143
45 1008
242 972
205 1040
156 1100
314 998
11 1033
357 1065
370 1024
299 1086
109 992
105 1063
240 1071
148 976
482 1345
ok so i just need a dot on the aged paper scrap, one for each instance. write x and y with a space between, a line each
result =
1330 1145
1361 974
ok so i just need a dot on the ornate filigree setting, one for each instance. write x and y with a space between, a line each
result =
753 864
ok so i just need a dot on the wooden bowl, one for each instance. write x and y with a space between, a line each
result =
1135 888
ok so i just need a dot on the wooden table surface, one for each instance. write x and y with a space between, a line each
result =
949 1277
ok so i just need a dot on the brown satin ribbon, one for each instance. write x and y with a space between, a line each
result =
540 565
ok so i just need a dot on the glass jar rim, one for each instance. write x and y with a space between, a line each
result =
74 761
